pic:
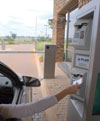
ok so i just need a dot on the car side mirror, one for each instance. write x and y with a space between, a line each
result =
31 81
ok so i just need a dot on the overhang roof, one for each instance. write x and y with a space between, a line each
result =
69 6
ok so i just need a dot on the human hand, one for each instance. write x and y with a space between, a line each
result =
72 89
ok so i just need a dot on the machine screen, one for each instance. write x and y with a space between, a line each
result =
96 106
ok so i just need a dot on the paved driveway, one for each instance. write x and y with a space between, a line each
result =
24 63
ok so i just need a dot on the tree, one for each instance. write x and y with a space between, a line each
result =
50 23
13 35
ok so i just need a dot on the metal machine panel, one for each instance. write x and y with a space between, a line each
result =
81 39
49 61
91 103
73 113
80 95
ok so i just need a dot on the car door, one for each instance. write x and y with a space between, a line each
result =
15 89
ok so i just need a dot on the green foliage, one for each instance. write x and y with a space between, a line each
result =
69 43
41 58
41 39
13 35
40 46
50 23
49 39
10 42
8 38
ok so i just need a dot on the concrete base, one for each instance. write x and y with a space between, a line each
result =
66 67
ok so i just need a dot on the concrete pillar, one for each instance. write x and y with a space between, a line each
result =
58 30
58 36
49 61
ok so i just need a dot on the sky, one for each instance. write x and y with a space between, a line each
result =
28 17
25 17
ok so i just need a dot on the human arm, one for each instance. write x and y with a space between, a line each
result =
67 91
28 109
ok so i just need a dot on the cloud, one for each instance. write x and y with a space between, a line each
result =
24 16
46 16
20 15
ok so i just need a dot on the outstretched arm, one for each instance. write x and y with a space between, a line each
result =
25 110
69 90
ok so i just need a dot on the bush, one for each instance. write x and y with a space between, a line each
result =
8 39
41 58
49 39
41 39
40 46
10 42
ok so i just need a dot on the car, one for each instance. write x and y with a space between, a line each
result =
14 88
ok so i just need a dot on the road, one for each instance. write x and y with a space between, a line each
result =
23 63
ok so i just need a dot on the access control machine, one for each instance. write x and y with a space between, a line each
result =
85 104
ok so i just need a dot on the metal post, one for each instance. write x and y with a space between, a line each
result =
46 36
3 44
36 33
49 61
67 35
